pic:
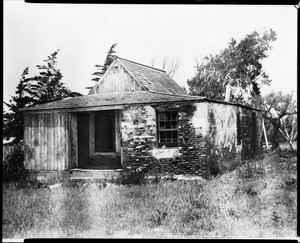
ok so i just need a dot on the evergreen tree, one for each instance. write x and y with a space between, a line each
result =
13 119
43 88
101 69
47 85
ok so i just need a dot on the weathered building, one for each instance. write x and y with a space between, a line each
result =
138 117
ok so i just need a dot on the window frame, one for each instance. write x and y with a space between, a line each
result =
167 144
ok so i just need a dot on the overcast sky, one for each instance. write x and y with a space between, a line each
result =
84 33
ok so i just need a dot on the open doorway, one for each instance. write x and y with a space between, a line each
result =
104 131
99 139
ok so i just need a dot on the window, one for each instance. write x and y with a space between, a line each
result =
238 128
167 129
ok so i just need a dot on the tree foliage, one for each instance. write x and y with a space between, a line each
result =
43 88
238 65
13 120
279 109
47 86
101 69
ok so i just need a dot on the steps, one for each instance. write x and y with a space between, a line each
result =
79 173
104 163
99 167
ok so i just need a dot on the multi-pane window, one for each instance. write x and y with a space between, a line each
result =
167 129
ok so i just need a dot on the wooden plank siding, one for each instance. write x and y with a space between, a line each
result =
50 141
116 80
73 142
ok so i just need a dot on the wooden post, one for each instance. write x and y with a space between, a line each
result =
92 133
265 133
228 92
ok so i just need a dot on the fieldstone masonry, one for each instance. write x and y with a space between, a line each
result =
139 141
207 138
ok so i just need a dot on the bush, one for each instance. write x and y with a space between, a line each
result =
13 167
251 169
287 153
131 177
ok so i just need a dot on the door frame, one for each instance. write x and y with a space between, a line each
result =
117 135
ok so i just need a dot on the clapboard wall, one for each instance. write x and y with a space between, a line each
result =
50 141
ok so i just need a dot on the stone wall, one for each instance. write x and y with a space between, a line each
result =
139 140
251 134
207 138
222 142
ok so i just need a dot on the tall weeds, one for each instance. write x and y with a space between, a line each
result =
256 200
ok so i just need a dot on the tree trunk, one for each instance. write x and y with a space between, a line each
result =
276 125
288 139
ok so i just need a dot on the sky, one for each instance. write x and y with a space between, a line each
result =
85 32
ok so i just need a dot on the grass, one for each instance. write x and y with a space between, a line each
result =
257 200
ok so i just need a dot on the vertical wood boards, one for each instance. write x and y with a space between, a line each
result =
37 135
50 142
65 141
73 145
27 140
115 80
28 145
60 152
55 137
61 141
25 136
46 141
57 154
33 140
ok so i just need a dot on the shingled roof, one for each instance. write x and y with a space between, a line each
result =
152 79
160 88
118 100
112 99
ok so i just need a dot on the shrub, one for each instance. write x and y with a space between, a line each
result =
229 165
131 177
250 170
213 166
287 153
13 167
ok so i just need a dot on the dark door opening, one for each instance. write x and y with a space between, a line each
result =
83 139
105 131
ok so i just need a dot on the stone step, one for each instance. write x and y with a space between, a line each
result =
104 163
94 174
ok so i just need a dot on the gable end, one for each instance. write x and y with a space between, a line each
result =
116 79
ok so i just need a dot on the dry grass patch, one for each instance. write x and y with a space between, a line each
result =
257 200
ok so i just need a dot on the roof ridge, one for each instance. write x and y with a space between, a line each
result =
156 69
